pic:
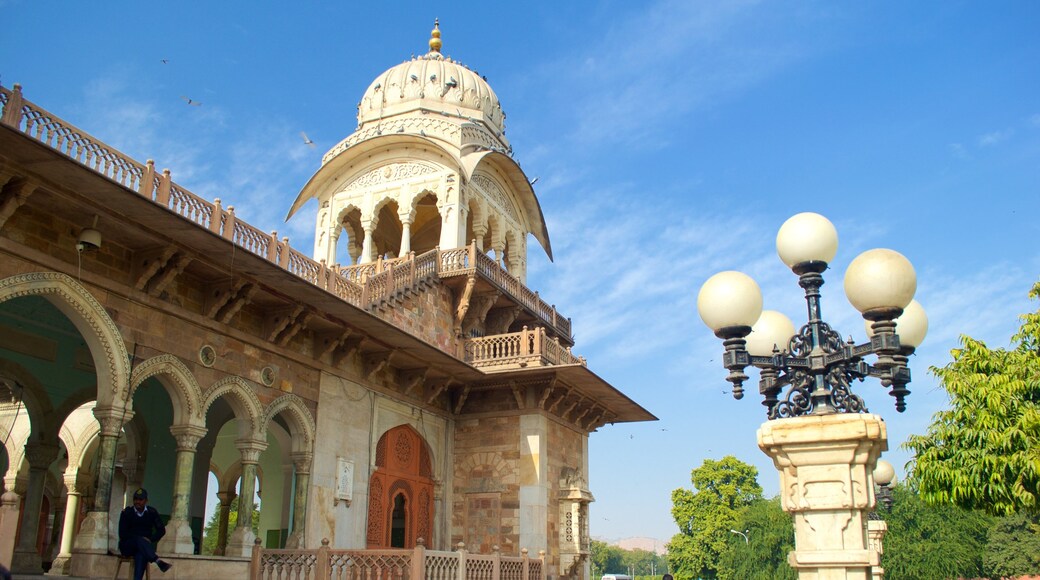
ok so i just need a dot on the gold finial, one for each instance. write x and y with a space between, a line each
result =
435 36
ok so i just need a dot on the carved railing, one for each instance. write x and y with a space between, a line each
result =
325 563
361 285
447 264
527 348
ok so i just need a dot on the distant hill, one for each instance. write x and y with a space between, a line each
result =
648 544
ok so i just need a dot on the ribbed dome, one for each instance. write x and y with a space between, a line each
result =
435 83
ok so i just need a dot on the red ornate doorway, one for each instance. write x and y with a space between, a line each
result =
400 494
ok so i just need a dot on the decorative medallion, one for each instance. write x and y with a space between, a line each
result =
267 376
207 355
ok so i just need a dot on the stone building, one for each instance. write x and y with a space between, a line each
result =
405 383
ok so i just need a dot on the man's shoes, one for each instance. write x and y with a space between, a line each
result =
163 565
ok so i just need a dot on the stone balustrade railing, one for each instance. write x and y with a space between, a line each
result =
527 348
418 563
361 285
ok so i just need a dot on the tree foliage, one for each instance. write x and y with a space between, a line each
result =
984 451
926 541
606 558
770 532
209 536
1013 546
705 517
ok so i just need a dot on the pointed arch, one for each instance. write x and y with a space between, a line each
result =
297 416
243 402
180 384
103 338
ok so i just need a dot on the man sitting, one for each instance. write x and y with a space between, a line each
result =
140 529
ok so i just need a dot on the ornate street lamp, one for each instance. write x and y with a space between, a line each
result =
883 476
814 364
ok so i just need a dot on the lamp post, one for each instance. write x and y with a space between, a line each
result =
744 534
877 527
819 433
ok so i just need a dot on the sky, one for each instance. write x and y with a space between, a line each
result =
670 139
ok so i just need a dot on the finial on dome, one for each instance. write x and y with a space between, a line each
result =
435 36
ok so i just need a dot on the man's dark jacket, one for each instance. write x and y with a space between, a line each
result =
149 525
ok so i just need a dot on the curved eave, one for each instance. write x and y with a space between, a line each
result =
532 209
326 177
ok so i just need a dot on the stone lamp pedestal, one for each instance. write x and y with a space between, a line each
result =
825 464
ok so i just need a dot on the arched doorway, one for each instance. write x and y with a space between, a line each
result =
400 498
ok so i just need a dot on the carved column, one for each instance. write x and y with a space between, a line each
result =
26 559
241 542
68 528
9 516
178 531
825 464
367 247
406 235
225 498
302 467
93 532
479 231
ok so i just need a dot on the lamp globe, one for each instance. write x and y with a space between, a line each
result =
806 238
879 281
729 300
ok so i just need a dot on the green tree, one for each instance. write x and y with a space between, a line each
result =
705 517
763 556
984 451
209 535
926 541
606 558
1013 546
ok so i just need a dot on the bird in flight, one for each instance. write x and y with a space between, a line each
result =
307 140
190 101
164 61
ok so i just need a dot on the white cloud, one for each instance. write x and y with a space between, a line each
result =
994 137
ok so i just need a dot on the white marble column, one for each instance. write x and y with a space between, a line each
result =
241 542
825 464
406 236
368 246
26 559
68 528
178 538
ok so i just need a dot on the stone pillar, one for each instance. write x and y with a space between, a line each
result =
68 528
93 532
26 559
225 498
367 247
302 467
406 236
178 538
9 515
876 529
479 231
534 482
825 464
453 226
241 542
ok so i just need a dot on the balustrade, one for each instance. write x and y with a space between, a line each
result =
418 563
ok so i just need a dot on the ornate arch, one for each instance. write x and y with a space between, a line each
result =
179 383
41 415
298 417
103 338
243 402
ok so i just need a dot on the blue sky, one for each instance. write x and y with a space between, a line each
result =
670 139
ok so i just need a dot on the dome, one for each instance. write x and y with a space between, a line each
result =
432 83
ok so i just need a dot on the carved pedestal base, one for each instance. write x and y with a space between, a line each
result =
177 539
93 534
825 464
876 530
240 544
